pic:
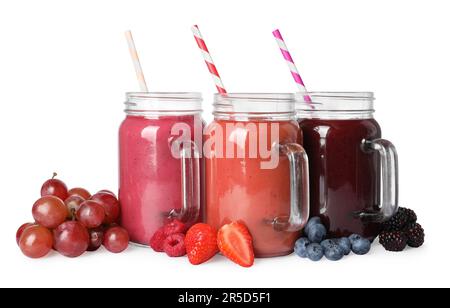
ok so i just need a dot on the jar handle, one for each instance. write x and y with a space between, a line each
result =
299 187
389 177
190 183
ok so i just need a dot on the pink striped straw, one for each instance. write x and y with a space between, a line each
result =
208 60
136 62
292 67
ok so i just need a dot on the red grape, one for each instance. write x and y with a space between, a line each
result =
36 241
95 238
21 229
50 212
110 204
91 214
54 187
73 203
116 239
81 192
71 239
107 192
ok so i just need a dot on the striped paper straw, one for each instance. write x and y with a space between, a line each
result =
290 62
208 60
136 62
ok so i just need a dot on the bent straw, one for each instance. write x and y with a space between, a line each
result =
208 60
136 62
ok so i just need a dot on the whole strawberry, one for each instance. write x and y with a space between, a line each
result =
201 243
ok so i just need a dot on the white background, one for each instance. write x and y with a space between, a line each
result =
64 69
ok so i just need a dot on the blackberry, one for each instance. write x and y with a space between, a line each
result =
400 220
415 235
393 240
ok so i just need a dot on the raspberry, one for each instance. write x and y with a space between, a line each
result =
173 227
157 240
174 245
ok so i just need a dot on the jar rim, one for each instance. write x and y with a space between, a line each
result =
150 103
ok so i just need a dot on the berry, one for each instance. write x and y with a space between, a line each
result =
317 233
400 220
314 252
21 229
174 245
71 239
110 205
49 212
54 187
36 241
236 243
415 235
354 237
329 244
300 247
80 192
361 246
108 192
157 240
201 243
345 245
116 239
91 214
334 253
173 227
393 240
312 221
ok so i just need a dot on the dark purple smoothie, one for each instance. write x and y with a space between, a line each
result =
344 178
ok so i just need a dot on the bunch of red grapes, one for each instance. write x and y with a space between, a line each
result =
72 222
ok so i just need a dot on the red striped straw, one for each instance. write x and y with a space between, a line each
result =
208 60
136 62
292 67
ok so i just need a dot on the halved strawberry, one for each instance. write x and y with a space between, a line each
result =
236 243
201 243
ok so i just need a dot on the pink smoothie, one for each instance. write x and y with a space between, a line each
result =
150 177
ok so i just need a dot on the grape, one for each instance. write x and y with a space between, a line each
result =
91 214
73 203
116 239
81 192
36 241
21 229
50 212
54 187
107 192
71 239
95 238
111 206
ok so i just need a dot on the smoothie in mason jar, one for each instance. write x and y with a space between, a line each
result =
239 188
151 185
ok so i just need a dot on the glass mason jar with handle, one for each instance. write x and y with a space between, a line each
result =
159 171
257 170
353 171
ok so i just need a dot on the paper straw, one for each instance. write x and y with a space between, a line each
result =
292 67
208 60
136 62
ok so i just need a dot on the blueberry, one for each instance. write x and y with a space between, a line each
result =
334 253
354 237
317 233
345 245
314 252
311 222
300 247
328 244
361 246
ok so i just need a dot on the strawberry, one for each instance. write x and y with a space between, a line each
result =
201 243
236 243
